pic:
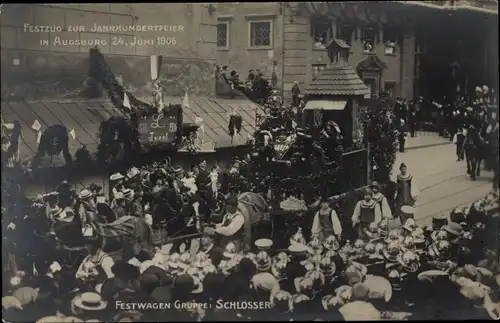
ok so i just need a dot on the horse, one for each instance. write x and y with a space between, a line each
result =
255 210
117 139
53 141
127 231
473 147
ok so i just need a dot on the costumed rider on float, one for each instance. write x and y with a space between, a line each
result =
326 223
309 147
366 212
232 229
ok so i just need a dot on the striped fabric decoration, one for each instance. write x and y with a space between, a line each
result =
281 149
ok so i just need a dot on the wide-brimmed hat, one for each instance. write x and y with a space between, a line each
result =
263 244
133 172
297 249
331 243
278 269
230 250
409 261
264 281
84 194
116 177
378 287
173 260
90 302
453 228
202 260
429 275
409 224
392 251
372 231
355 273
359 311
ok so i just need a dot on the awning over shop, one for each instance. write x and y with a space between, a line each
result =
325 105
85 117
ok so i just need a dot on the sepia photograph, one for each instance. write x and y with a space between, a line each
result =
250 161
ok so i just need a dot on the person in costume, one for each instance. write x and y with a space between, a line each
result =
381 200
203 178
407 191
87 209
232 227
117 184
97 266
367 211
326 222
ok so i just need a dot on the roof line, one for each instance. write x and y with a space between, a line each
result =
448 7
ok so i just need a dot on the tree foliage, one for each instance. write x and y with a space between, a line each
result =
382 136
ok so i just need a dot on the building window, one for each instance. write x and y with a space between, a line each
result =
369 35
390 39
261 33
223 35
345 33
390 87
317 69
322 33
372 86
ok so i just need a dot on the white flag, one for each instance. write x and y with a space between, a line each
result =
185 101
36 126
8 126
126 101
38 136
73 134
160 104
155 66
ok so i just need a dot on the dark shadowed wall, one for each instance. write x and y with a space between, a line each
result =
33 70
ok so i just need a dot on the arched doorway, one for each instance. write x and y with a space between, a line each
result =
370 71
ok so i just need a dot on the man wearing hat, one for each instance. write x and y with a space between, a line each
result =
381 200
407 191
87 209
203 178
177 181
119 205
214 252
367 211
116 182
326 222
232 228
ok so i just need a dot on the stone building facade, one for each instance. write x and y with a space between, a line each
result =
52 61
254 36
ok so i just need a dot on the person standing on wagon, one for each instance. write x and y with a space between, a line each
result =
407 191
326 222
381 200
366 212
232 227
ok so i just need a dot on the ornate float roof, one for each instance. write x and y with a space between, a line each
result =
85 117
337 79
